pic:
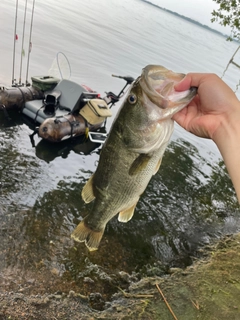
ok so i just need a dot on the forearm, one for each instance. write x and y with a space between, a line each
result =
228 142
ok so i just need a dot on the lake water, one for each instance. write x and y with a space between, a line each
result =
189 203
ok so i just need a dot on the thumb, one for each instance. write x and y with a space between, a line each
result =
184 84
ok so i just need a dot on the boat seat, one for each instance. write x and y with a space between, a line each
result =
70 94
69 100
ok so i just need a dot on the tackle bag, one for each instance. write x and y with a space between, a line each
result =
95 111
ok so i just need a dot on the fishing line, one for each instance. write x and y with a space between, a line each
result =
14 42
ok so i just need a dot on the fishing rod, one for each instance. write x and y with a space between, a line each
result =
14 43
22 51
235 64
128 80
231 61
30 43
115 98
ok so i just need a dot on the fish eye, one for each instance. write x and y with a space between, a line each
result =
132 98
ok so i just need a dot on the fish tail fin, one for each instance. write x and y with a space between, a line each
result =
83 233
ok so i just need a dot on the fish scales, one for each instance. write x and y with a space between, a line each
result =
132 152
120 179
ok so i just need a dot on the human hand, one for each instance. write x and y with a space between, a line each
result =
213 107
214 113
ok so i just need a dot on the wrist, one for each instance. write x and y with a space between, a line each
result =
229 125
227 139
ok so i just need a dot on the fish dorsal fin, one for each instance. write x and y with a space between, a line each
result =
158 166
87 191
139 164
126 215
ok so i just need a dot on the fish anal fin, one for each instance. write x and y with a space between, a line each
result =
126 215
87 191
83 233
139 164
158 166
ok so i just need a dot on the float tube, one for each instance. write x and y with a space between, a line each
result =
66 111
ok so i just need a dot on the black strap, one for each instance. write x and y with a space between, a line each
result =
35 119
31 136
23 97
3 107
72 124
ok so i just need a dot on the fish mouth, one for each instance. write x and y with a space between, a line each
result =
158 83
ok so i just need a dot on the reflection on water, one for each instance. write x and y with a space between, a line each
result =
49 151
45 150
181 210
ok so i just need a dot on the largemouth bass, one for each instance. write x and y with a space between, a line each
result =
133 151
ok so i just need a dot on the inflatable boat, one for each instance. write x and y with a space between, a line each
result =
61 109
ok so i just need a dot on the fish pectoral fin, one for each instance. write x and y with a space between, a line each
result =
126 215
83 233
87 191
158 166
139 164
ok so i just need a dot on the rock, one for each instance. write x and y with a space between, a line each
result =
88 280
124 276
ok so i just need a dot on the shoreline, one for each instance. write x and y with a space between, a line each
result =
208 289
